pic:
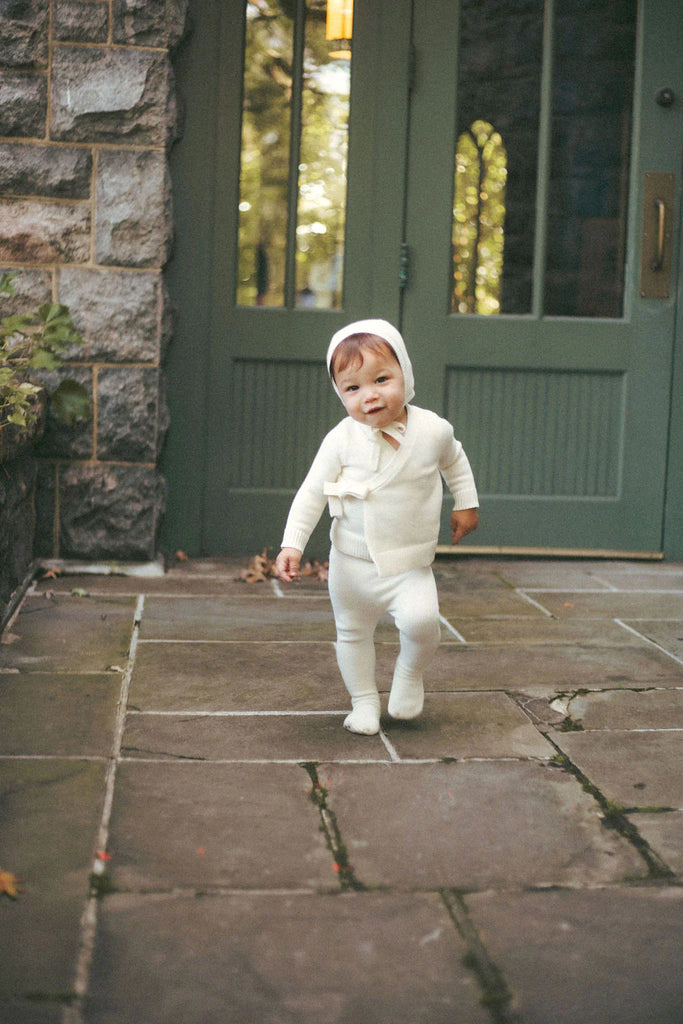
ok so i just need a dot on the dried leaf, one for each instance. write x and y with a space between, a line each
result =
180 556
260 569
9 884
51 574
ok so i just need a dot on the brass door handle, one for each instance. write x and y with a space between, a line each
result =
658 261
659 196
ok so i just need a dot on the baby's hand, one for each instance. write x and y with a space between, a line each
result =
463 521
287 564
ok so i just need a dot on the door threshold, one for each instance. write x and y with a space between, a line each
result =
534 552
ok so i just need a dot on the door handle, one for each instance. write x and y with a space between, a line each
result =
658 261
655 249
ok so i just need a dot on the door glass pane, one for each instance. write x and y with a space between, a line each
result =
591 138
264 168
494 207
321 207
295 117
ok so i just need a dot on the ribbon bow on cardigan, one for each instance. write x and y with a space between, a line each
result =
336 490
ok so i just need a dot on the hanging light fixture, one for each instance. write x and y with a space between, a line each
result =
339 27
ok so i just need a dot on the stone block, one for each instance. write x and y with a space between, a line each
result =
45 506
16 522
66 633
32 288
101 95
634 769
149 22
44 232
248 738
133 225
51 811
116 312
472 825
59 713
280 958
239 618
596 955
127 402
24 34
23 104
81 22
45 171
230 811
110 511
213 677
60 440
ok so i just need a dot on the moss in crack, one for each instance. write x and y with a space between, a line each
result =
570 724
101 884
495 994
330 830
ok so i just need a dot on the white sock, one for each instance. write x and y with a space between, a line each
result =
406 699
364 718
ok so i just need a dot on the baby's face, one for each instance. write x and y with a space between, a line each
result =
373 392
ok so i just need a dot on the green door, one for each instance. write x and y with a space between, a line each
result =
524 311
490 186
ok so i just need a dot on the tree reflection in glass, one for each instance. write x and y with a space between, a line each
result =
292 203
478 220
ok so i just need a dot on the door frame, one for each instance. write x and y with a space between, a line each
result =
190 277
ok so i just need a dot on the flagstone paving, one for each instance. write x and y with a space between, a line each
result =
199 840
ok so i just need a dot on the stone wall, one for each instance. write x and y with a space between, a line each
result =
87 116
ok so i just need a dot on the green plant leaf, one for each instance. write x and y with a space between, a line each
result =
17 417
43 359
71 402
49 312
6 286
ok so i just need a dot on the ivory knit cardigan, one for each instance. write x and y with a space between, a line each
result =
401 498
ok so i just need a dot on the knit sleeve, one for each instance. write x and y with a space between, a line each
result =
457 472
309 501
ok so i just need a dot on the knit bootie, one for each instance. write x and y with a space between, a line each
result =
364 718
406 699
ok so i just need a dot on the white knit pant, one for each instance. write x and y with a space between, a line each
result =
359 598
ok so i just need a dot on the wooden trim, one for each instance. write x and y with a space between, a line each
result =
472 549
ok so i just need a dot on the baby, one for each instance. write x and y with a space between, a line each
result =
380 470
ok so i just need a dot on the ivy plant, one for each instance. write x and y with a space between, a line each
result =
32 343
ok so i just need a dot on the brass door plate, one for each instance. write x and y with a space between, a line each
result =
655 246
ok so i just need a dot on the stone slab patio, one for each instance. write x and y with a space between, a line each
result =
197 834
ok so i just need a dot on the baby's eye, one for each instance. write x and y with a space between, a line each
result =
351 387
381 380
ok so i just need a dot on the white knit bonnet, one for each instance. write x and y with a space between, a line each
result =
382 329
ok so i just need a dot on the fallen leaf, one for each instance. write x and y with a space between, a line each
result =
51 574
9 884
9 638
180 556
260 569
79 592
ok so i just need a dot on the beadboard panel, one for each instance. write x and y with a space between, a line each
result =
540 433
279 413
